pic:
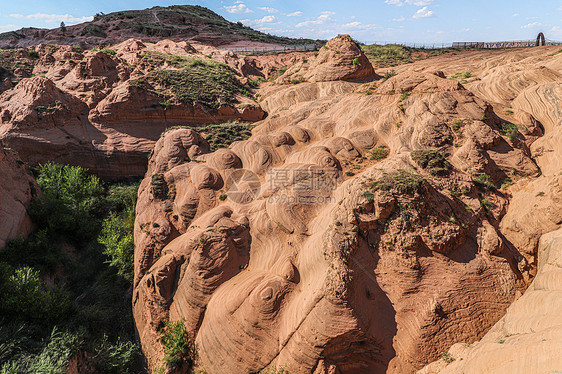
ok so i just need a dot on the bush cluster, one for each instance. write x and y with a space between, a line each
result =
83 245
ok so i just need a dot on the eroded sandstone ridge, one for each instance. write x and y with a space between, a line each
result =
306 247
104 109
17 188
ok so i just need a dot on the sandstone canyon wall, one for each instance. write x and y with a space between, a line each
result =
388 264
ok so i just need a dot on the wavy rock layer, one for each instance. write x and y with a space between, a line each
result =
379 269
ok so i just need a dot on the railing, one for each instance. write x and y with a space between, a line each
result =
499 45
467 45
274 48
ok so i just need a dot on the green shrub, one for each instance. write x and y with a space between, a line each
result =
88 300
93 30
368 195
42 252
404 95
159 186
68 202
447 357
379 153
486 204
25 297
457 124
401 181
223 196
117 238
115 358
355 62
255 82
432 160
510 130
389 74
485 181
55 356
178 348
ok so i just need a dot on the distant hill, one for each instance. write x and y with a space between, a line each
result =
178 22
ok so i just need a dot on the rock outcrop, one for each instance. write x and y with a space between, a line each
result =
300 248
339 59
95 109
528 338
17 189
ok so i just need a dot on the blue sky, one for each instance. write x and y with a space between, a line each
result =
426 21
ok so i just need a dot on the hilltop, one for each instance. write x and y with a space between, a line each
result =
192 23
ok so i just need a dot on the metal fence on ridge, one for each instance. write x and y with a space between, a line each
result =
456 45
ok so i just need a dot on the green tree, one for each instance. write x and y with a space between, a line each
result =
63 28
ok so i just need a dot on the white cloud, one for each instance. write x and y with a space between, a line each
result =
261 21
420 2
321 20
359 26
268 9
516 15
410 2
559 8
394 2
531 25
9 27
328 13
238 9
52 18
295 14
401 19
424 13
530 18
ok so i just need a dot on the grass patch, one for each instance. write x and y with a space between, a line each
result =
382 56
109 51
389 74
431 160
223 135
387 55
461 75
379 153
198 81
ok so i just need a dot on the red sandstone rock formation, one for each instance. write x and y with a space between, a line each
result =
381 273
17 189
339 59
82 109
